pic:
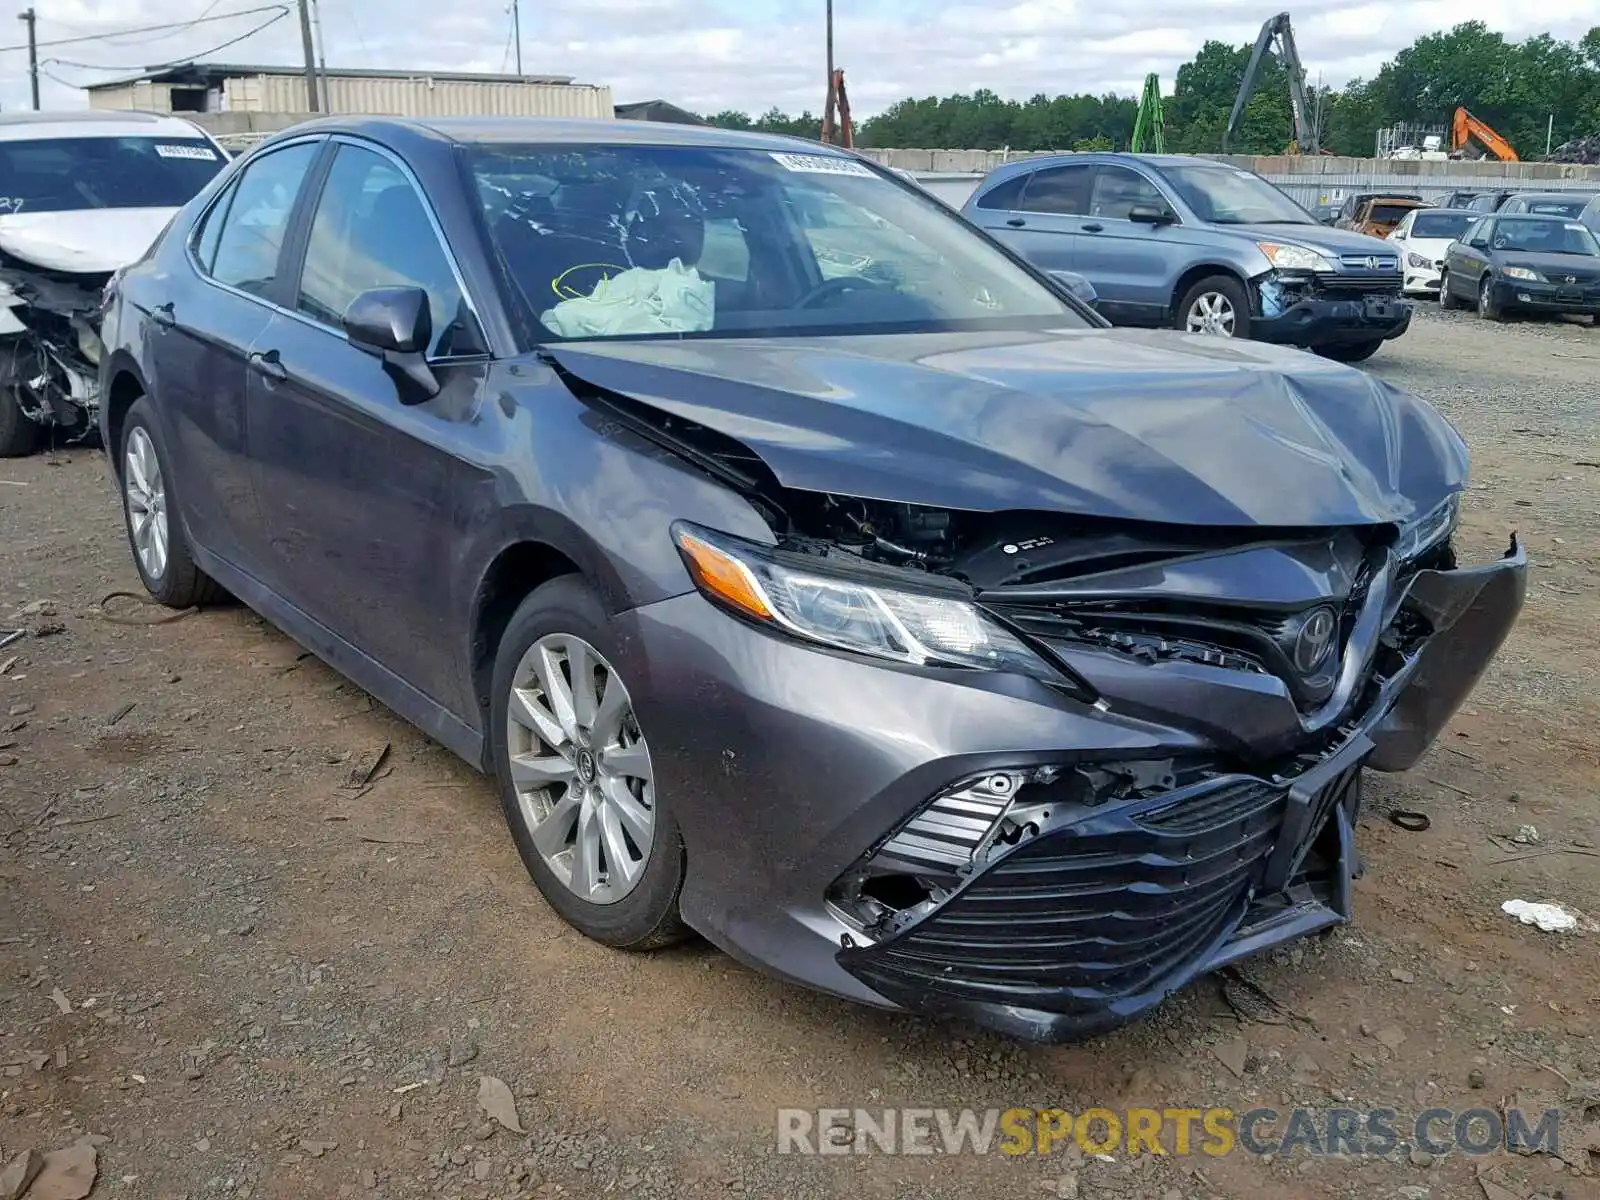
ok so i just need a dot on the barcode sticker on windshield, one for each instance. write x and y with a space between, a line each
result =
192 150
820 164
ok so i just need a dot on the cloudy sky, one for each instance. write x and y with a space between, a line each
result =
714 54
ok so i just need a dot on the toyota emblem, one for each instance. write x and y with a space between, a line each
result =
1315 639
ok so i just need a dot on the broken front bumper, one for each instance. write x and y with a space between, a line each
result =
793 769
1100 911
1330 322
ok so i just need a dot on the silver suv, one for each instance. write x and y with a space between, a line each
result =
1199 245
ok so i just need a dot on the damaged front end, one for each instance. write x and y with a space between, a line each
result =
50 347
1361 300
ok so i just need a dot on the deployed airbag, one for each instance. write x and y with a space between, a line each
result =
674 299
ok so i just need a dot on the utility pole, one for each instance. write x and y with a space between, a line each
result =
311 57
827 110
516 32
322 56
33 52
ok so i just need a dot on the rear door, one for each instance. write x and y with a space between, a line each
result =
201 336
1129 262
1050 211
359 490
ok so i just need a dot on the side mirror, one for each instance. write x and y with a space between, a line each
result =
395 324
1151 214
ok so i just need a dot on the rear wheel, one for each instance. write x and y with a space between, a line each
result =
577 782
19 435
155 530
1488 307
1351 352
1217 305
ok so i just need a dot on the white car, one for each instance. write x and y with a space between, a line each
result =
1424 234
82 194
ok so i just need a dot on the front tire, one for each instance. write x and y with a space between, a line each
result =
1215 305
1351 352
155 527
575 774
1447 299
1488 307
19 436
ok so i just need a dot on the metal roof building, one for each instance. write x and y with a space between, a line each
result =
236 88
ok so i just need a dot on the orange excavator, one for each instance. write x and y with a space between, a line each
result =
1466 126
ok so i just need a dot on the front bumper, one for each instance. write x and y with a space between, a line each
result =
1582 300
1326 322
1422 281
789 767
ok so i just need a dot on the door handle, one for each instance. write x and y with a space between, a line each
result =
1096 227
161 314
269 364
1016 222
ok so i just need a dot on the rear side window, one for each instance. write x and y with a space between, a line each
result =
257 218
371 230
1007 195
1063 190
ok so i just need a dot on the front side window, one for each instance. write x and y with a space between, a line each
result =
1118 191
73 174
629 241
372 231
255 218
1228 196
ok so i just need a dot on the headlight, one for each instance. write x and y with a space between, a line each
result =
1417 260
1522 273
1428 531
1294 258
853 614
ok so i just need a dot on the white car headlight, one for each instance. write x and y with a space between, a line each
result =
1418 261
1523 273
1294 258
1429 530
867 617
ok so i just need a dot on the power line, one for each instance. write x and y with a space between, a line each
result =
67 62
177 25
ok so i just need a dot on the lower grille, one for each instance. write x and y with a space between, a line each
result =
1102 909
1354 287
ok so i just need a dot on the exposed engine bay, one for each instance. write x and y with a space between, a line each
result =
50 345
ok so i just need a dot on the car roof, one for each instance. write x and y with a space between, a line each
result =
1505 216
560 131
92 123
1582 194
1454 212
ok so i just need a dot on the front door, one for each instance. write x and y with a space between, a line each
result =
361 488
1127 260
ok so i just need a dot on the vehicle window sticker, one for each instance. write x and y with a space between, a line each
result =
203 153
820 164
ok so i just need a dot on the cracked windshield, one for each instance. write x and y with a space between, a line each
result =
635 241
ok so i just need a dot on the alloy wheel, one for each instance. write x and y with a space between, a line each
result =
1211 312
581 768
147 502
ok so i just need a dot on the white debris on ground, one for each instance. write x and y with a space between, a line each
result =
1551 918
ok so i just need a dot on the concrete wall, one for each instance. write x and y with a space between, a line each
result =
1442 176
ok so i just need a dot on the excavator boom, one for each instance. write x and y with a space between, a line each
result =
1278 30
1465 127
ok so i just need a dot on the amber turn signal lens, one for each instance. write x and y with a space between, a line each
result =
724 577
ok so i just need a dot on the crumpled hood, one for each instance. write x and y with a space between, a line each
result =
1146 425
92 241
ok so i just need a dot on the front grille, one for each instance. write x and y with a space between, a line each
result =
1103 909
1369 262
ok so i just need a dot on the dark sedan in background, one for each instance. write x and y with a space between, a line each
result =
1506 264
807 570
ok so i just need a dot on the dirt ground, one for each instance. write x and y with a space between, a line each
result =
249 979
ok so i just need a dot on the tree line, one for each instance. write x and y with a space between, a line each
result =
1524 90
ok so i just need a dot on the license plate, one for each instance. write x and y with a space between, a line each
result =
1572 295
